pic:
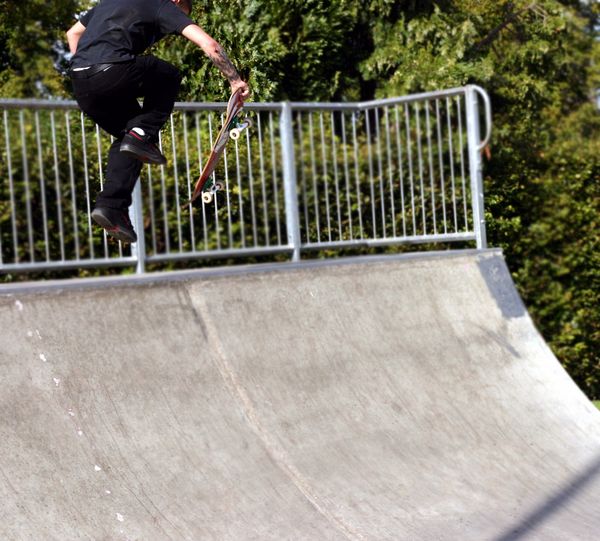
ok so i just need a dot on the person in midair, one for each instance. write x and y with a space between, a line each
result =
109 74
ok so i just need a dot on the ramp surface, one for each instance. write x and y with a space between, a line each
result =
402 398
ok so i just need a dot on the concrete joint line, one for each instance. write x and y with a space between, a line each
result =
273 448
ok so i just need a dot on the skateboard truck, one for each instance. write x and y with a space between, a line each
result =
208 195
240 126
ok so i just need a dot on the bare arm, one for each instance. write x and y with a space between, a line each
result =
215 52
73 35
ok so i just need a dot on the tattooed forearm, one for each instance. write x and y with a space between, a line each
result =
221 60
215 52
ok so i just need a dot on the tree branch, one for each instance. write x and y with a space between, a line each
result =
496 31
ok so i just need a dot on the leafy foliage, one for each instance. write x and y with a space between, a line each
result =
31 41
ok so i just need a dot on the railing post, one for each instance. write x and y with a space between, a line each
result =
475 166
289 179
136 216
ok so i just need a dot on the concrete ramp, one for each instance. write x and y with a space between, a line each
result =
406 398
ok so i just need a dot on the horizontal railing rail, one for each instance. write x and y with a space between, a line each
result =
305 177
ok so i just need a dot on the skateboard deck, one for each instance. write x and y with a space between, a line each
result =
232 127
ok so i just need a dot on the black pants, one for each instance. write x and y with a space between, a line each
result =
109 98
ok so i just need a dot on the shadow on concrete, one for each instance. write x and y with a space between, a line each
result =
501 286
545 511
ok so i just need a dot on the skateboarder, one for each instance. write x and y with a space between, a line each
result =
108 76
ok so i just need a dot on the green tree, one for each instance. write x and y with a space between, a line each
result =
298 50
32 40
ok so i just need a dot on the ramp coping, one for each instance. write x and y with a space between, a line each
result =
57 286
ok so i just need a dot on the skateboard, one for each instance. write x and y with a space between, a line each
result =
232 128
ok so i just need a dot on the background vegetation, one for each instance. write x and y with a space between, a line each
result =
539 60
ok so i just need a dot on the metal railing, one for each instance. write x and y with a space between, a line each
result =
307 176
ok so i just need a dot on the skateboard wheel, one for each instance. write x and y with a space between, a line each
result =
218 186
207 197
235 133
248 123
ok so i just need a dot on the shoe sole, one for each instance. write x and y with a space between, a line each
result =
141 155
114 230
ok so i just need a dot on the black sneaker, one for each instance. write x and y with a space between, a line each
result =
140 146
115 222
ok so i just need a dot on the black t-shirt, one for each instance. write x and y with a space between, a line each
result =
119 30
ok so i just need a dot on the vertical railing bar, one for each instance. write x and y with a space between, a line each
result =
263 183
388 145
188 174
411 172
86 182
441 163
1 247
215 201
101 178
475 166
421 165
72 181
336 175
199 144
303 180
346 173
42 186
240 195
137 218
119 243
357 175
286 128
26 182
314 175
380 172
58 188
176 180
371 174
462 162
390 170
400 168
165 210
275 183
218 225
451 157
153 232
11 188
430 159
325 175
4 119
228 199
251 182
